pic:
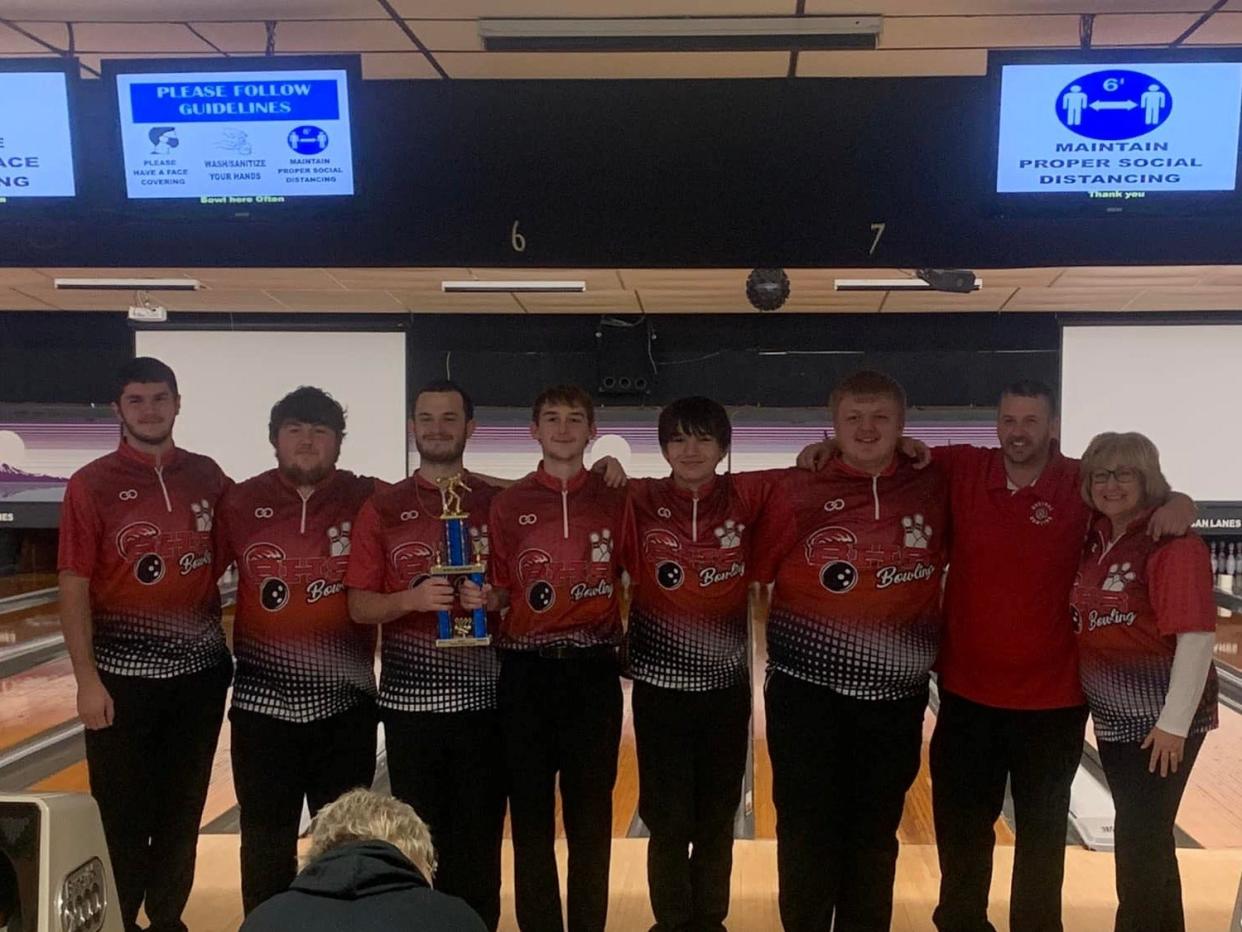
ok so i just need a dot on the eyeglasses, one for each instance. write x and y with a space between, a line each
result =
1123 474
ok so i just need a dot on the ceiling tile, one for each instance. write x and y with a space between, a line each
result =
78 300
985 299
1133 277
163 11
267 279
568 9
978 32
591 302
11 300
1224 28
596 279
1202 298
436 302
1067 300
994 7
342 36
248 38
704 300
892 63
614 64
413 64
683 279
231 300
13 42
338 301
1147 29
448 35
390 279
152 39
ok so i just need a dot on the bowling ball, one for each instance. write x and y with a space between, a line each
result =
540 596
274 594
150 569
670 575
838 577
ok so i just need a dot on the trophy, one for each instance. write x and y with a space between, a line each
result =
461 558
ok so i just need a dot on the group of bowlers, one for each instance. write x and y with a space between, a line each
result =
856 542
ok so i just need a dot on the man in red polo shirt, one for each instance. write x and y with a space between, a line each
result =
140 611
555 537
303 714
857 552
438 705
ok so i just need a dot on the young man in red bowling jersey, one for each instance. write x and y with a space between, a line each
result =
303 714
687 650
140 611
555 563
856 551
441 728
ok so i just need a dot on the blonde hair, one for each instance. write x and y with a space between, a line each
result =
1128 449
362 815
867 383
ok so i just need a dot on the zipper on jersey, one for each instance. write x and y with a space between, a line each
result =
875 494
159 474
305 496
694 518
565 509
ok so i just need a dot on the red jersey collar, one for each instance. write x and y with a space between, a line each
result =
544 478
999 479
842 468
702 492
146 459
325 481
1102 524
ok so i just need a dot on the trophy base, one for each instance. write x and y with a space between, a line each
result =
464 641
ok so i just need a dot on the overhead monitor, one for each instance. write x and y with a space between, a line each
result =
1127 132
259 132
36 150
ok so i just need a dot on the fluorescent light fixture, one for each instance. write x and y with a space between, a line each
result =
127 284
527 287
681 33
888 284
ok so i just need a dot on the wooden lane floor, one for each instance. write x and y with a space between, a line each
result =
1209 881
36 700
29 624
25 582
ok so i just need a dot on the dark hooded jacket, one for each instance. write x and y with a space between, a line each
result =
366 886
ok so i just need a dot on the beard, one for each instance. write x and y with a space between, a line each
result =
299 476
153 434
442 455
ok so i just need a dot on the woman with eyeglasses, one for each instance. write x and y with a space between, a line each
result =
1146 620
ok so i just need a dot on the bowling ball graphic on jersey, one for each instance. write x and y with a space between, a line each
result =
307 140
541 596
831 548
149 569
273 594
670 575
839 577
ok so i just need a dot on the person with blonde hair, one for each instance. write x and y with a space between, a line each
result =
369 868
1145 618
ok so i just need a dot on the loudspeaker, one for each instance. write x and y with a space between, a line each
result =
625 358
55 875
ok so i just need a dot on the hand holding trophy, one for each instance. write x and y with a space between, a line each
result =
460 559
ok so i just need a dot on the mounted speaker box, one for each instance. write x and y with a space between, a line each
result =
625 357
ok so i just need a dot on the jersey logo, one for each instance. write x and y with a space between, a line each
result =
338 539
263 512
202 515
1118 576
837 504
663 545
128 495
526 520
412 560
825 546
601 546
409 516
540 594
664 513
273 591
729 534
915 532
1041 514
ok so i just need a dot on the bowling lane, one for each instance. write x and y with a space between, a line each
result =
35 700
21 583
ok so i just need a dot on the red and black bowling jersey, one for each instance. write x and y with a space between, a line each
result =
688 611
1129 603
857 561
397 539
554 547
299 656
141 531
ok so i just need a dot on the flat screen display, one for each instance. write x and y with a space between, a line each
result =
230 137
36 154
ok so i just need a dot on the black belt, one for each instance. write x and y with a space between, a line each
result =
574 652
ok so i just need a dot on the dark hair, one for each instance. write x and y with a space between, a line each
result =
445 385
309 405
695 415
1032 388
144 370
570 395
867 382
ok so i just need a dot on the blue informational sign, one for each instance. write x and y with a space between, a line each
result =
228 137
1119 130
36 158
